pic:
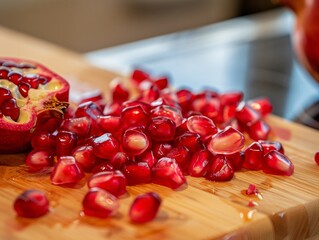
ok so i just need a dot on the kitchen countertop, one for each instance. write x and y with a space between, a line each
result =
286 209
252 54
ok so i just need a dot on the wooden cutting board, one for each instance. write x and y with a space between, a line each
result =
288 208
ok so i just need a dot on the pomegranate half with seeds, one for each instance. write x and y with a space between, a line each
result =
29 93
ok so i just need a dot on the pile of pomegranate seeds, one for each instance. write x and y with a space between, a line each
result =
157 137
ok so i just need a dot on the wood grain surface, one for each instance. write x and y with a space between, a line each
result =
288 207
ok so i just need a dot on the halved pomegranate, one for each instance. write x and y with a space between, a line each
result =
29 93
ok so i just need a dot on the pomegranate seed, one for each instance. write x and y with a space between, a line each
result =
181 129
190 140
65 143
253 156
251 190
39 159
147 157
277 163
50 125
168 97
110 124
43 79
88 141
99 203
246 115
136 173
158 102
118 159
199 101
103 167
31 79
161 82
166 172
259 130
162 129
228 112
237 160
88 109
113 109
66 171
316 157
10 108
199 163
139 76
5 94
271 145
227 141
80 126
169 112
160 149
43 140
231 98
145 207
31 204
184 98
135 142
105 146
133 103
15 77
85 157
208 107
202 125
4 71
169 94
220 169
149 93
261 105
180 154
134 116
112 181
119 93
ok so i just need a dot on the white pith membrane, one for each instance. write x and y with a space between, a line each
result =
31 103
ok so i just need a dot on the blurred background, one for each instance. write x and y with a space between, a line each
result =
86 25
